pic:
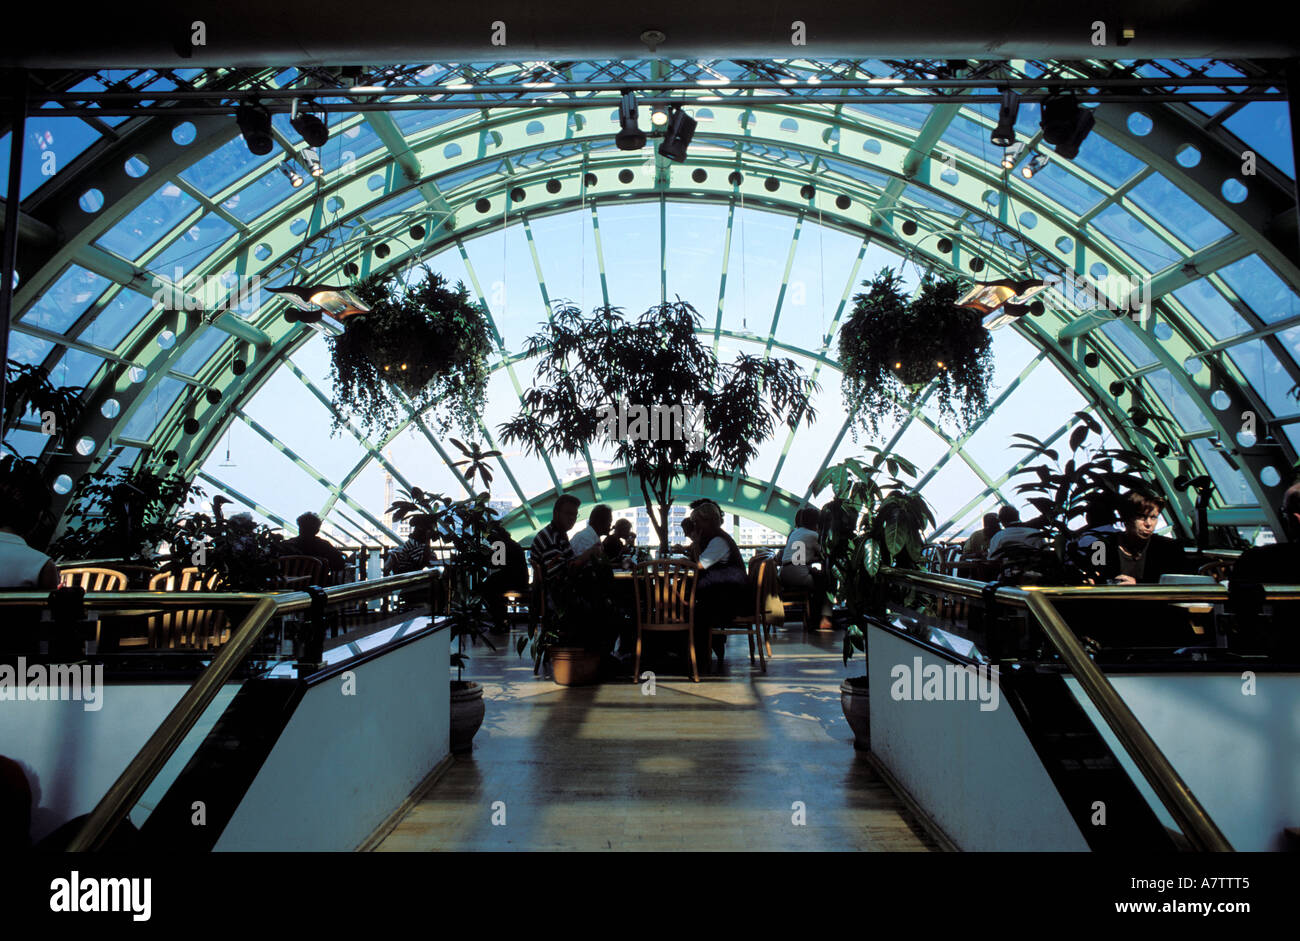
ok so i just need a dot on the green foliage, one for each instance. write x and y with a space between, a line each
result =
874 521
28 391
426 342
588 366
243 554
891 348
580 604
122 515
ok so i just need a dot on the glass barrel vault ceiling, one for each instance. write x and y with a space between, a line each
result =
1155 194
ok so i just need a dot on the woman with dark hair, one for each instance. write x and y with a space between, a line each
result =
722 586
1140 556
24 498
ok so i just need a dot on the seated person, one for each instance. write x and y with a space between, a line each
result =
511 575
551 549
687 549
23 499
596 530
796 571
1140 556
722 588
309 542
626 535
977 546
1277 564
1088 550
414 554
1015 537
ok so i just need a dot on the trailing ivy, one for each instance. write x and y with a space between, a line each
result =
891 347
426 342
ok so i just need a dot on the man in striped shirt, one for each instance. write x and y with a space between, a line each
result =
551 548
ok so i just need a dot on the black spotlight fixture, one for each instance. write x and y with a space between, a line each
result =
589 179
843 202
944 245
1117 388
1004 135
1182 482
239 366
1161 449
170 458
625 176
1091 360
291 174
382 250
552 186
255 125
977 265
771 184
213 396
630 136
807 191
416 232
482 205
699 175
1065 124
735 178
517 195
190 426
309 126
677 135
351 270
909 227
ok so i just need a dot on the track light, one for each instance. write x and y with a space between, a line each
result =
659 115
1033 166
677 135
1065 124
629 136
312 159
312 128
1004 135
255 125
291 174
1011 155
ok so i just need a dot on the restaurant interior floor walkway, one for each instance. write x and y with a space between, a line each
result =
740 761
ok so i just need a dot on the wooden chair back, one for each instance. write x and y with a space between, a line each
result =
1219 569
92 578
190 628
665 595
298 571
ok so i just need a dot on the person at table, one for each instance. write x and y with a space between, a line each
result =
977 546
1270 565
796 571
594 533
1088 549
510 575
688 548
551 548
1140 556
309 542
721 588
415 553
1015 538
1278 564
626 536
23 499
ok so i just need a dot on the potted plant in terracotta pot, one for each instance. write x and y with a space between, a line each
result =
574 629
868 524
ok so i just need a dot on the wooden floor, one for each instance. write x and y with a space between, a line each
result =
731 763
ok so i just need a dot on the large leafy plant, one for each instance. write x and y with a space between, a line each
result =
244 557
423 342
28 391
580 607
892 347
875 520
122 515
590 367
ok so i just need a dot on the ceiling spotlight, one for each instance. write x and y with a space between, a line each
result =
1012 154
1033 166
312 159
1065 124
255 125
944 245
291 174
310 300
311 128
629 136
807 191
1004 135
1003 301
659 115
677 135
416 232
382 250
909 227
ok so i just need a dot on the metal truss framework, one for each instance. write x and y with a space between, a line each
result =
526 163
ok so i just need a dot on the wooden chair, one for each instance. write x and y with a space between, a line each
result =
751 624
1219 569
92 579
192 628
299 571
665 602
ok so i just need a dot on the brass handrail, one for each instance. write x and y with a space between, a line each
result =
1169 786
146 764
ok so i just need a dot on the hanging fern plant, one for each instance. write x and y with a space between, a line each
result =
891 347
424 341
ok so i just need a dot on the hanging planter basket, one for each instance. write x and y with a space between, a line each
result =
424 342
892 348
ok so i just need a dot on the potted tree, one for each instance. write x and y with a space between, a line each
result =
422 345
893 347
871 523
656 394
570 636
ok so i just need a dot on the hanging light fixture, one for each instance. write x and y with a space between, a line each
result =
312 129
1005 300
291 173
1004 135
339 302
1036 163
630 136
1012 154
677 135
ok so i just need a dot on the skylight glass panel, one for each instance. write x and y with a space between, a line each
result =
1260 287
76 368
1183 216
148 222
1177 400
822 262
51 144
1134 238
224 166
1123 335
395 204
297 418
189 249
449 181
856 172
66 300
191 362
266 191
25 348
1266 127
412 122
1211 309
347 146
912 116
1064 187
972 138
152 409
1107 161
924 197
1230 484
1265 374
